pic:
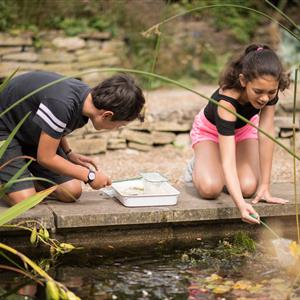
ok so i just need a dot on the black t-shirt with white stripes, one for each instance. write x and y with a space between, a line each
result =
56 110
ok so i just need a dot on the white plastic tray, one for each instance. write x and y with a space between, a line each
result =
125 193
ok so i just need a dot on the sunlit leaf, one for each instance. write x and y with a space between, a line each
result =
242 285
295 249
23 206
213 277
221 289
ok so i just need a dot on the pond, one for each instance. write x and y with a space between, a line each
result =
235 268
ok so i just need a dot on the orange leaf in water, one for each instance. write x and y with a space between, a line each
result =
295 249
213 277
221 289
242 285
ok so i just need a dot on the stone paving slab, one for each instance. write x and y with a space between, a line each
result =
94 210
41 213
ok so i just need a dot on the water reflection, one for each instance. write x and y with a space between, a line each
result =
211 272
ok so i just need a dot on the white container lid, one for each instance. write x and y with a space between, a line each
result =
153 177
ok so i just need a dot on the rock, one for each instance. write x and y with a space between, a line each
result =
137 136
288 105
285 142
116 143
112 46
61 68
285 133
88 146
68 43
10 50
138 125
171 126
8 40
80 132
182 141
101 36
22 56
112 61
93 77
286 122
138 146
163 137
93 56
52 56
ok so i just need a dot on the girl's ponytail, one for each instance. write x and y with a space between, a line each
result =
257 60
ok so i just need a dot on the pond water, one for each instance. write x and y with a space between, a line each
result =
224 269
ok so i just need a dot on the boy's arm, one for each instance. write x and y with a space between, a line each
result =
47 157
266 149
64 144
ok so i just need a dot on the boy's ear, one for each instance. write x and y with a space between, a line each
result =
242 80
107 114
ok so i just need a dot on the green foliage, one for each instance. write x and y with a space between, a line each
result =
243 242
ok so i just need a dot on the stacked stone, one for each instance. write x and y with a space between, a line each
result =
65 55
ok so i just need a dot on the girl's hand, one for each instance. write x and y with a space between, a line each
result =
81 160
246 211
264 194
100 181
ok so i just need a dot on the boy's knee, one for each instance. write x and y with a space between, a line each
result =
14 198
69 192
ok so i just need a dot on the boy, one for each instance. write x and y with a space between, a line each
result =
55 112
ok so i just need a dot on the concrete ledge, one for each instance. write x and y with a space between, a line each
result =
98 222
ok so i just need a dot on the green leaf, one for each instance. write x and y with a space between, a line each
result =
6 143
23 206
4 84
7 185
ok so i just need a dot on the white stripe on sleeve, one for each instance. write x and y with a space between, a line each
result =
48 121
54 119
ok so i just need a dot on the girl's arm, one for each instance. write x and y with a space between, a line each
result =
228 157
266 148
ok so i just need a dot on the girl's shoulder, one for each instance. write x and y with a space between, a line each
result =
229 95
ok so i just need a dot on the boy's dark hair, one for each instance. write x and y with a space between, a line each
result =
256 61
121 95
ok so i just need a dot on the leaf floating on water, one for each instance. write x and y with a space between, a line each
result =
242 285
295 249
213 277
221 289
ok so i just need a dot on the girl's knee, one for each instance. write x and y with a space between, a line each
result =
209 190
248 187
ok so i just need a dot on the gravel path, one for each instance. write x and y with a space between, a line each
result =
171 162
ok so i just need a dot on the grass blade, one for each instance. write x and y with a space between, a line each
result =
6 143
4 84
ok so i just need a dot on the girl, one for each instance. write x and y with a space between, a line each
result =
227 150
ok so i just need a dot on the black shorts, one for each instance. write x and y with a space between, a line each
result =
15 149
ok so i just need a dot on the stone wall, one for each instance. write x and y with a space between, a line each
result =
170 113
65 55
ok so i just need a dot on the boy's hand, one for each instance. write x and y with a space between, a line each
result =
100 181
81 160
249 215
